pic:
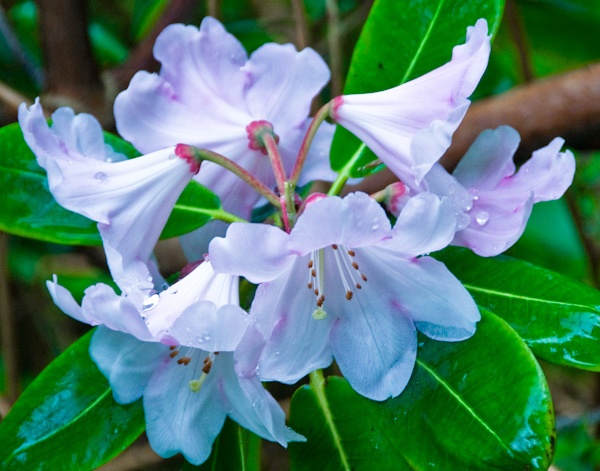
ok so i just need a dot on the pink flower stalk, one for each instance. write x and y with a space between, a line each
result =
209 92
410 126
344 284
130 199
493 199
180 360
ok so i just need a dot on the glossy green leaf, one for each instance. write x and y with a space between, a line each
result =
401 41
557 317
479 404
67 418
235 448
29 210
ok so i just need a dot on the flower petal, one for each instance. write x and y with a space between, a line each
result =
297 342
355 221
425 224
251 406
127 362
410 126
256 251
179 420
283 83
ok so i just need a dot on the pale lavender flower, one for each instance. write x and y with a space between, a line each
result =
344 284
493 199
410 126
209 92
130 199
176 350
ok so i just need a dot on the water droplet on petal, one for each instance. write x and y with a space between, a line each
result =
481 217
101 177
151 302
164 286
172 156
206 337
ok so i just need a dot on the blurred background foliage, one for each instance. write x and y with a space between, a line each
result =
537 39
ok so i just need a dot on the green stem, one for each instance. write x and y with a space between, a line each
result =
222 215
346 172
321 115
185 151
317 384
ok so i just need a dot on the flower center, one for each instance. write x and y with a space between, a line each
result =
348 271
196 384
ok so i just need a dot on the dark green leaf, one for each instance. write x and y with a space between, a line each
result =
67 418
401 41
480 404
235 448
29 210
557 317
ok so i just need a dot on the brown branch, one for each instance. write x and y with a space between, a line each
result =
7 326
71 71
517 30
301 27
334 46
212 8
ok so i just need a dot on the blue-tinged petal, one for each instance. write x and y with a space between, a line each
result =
425 224
258 252
375 346
127 362
356 220
423 289
489 159
298 342
179 420
250 405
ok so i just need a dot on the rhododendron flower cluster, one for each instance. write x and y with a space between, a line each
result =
336 280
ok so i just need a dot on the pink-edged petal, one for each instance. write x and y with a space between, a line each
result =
409 127
498 219
127 362
251 406
283 83
256 251
375 348
355 221
426 224
297 342
179 420
202 293
547 174
489 159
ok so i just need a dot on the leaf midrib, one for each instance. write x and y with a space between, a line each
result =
504 294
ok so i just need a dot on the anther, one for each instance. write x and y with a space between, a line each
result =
363 277
320 301
352 253
355 265
334 246
174 353
310 264
184 360
358 286
207 366
349 295
313 272
310 286
172 347
316 291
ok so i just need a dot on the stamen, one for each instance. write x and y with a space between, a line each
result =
310 286
313 272
174 353
363 277
334 246
207 365
349 295
310 263
358 286
184 361
352 253
172 347
320 301
355 265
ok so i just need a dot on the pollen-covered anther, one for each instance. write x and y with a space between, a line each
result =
320 301
355 265
349 295
174 353
207 365
310 264
352 253
184 361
